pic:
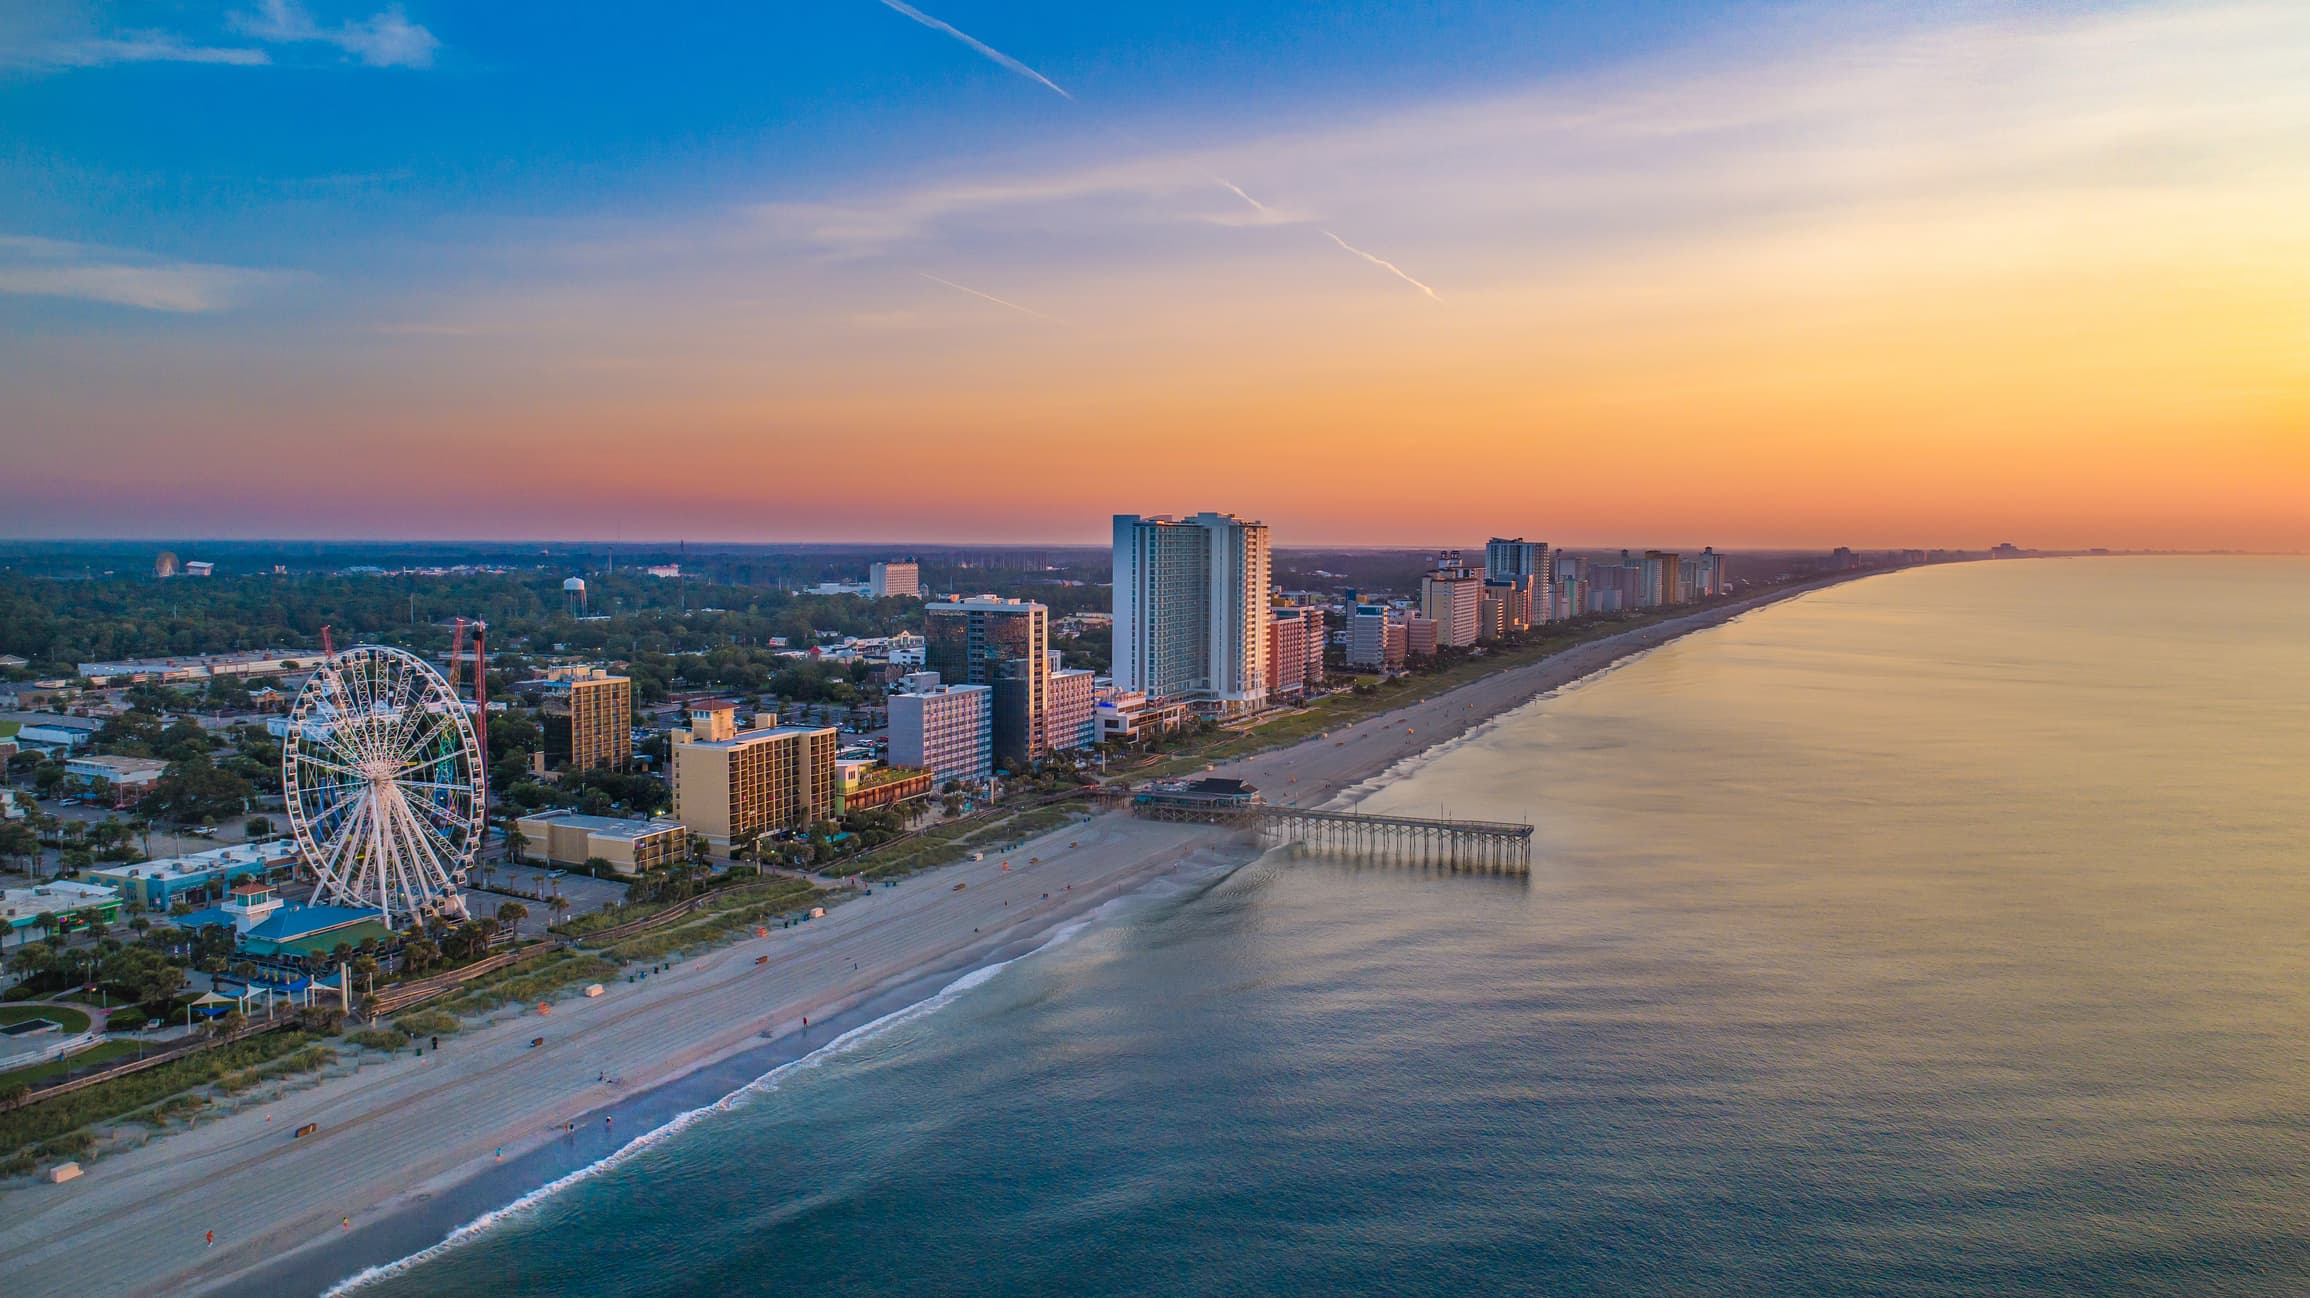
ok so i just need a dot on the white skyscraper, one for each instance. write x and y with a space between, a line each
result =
1191 617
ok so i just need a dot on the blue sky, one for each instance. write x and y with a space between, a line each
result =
505 110
774 243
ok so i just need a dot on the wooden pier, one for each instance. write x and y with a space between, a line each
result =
1473 844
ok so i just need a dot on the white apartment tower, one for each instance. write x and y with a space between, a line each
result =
1191 614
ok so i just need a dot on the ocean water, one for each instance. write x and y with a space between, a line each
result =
1943 933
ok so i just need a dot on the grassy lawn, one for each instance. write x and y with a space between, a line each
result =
70 1020
103 1052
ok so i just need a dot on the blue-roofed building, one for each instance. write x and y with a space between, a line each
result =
270 928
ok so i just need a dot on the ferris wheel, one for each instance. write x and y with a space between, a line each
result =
383 778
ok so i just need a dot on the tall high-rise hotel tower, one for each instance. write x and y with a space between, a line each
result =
1191 609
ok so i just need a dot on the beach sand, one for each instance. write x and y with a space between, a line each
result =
397 1137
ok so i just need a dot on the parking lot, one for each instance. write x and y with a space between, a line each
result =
535 887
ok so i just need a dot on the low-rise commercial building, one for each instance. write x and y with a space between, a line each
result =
52 735
199 667
631 846
202 878
862 784
268 927
61 906
1126 716
128 778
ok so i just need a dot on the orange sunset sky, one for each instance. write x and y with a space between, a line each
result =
1933 276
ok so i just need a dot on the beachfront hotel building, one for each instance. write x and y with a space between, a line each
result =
1421 635
730 782
600 708
1074 709
1524 565
1191 611
948 730
1003 644
899 577
1295 652
1452 596
1711 577
1375 635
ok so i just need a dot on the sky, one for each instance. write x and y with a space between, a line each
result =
1748 275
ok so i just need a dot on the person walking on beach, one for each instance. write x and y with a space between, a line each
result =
211 1239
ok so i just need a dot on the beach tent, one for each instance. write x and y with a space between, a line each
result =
210 1005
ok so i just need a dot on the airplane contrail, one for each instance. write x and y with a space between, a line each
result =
1381 262
977 44
965 288
900 6
1384 264
1237 190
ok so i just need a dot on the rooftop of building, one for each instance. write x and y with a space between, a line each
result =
124 765
606 826
54 719
979 603
271 852
301 927
52 897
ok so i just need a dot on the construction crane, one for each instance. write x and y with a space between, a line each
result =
480 631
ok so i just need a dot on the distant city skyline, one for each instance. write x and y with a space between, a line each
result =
1740 274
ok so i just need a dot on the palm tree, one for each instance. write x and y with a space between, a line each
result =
511 914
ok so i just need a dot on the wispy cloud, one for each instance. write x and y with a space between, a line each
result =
385 39
975 43
965 288
24 48
39 267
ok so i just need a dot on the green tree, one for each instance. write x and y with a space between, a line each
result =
193 790
18 841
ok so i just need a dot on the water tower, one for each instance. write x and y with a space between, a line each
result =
574 590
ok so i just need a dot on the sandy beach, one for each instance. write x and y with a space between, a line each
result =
396 1138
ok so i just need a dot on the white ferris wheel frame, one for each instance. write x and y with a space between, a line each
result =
383 778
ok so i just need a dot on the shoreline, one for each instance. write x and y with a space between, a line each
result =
406 1145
